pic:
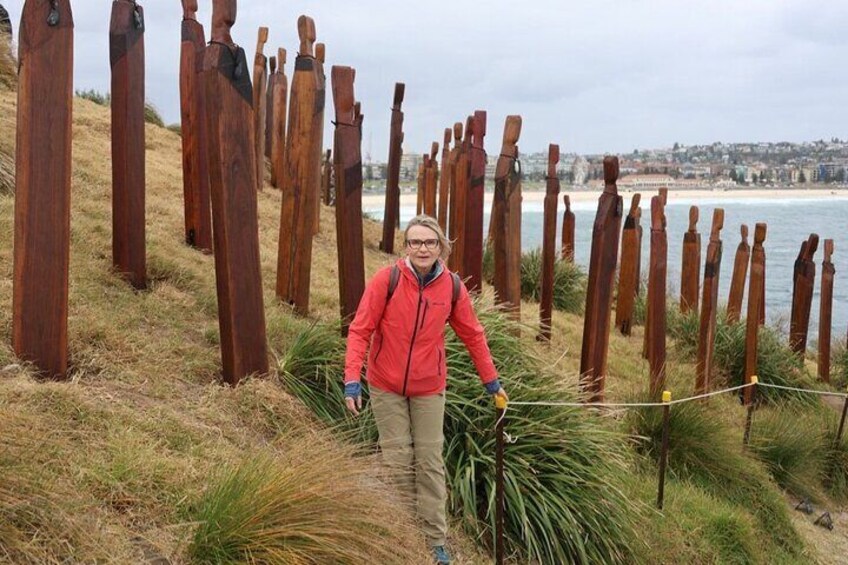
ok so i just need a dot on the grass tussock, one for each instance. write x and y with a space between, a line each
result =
836 465
151 113
315 503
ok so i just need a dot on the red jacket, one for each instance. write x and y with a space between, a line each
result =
407 354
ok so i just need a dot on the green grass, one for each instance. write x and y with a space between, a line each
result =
151 113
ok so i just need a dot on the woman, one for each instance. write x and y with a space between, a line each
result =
404 309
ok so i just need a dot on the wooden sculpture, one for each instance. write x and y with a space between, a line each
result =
126 55
198 211
472 254
568 225
690 270
462 174
419 192
43 186
546 300
260 82
390 215
452 160
826 311
279 87
802 295
709 305
602 263
241 312
627 272
506 220
431 180
756 292
348 174
639 252
444 182
657 273
327 179
320 54
302 173
737 281
269 109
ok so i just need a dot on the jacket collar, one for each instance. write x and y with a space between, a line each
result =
424 280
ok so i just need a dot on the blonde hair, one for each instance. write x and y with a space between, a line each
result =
431 223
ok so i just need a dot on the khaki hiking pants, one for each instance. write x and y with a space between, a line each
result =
411 440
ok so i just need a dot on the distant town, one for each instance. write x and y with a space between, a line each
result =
714 166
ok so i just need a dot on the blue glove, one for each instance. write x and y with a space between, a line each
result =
354 390
493 387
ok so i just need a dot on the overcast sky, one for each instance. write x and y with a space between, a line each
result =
594 76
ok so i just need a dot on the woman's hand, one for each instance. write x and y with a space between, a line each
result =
354 405
502 393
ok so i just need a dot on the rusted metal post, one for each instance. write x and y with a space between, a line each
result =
260 81
390 219
507 220
500 414
278 110
126 55
826 312
602 263
709 306
43 186
444 182
627 272
755 295
474 204
198 210
348 174
229 98
690 271
737 282
567 231
666 399
546 301
802 295
657 274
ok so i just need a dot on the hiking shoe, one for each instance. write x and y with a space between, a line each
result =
441 555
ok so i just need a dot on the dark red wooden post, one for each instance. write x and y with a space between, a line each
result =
444 182
474 205
462 173
126 55
198 211
390 214
657 274
690 271
431 178
627 272
327 179
279 87
260 82
546 301
269 110
802 295
453 223
737 281
568 223
602 263
43 186
755 295
229 114
507 220
709 305
826 312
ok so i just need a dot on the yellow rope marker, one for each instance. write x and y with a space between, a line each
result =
500 402
666 396
754 379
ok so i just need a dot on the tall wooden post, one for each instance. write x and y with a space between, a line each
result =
431 179
269 110
453 223
507 220
327 179
126 55
279 87
419 192
709 306
462 173
802 295
348 173
755 295
690 271
568 225
639 251
43 186
627 282
320 55
390 214
198 211
444 182
260 82
657 274
737 282
546 301
473 220
229 115
826 312
602 263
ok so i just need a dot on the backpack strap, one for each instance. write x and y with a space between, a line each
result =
394 276
457 284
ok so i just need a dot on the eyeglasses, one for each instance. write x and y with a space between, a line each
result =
430 244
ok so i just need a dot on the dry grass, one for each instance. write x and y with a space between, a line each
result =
8 65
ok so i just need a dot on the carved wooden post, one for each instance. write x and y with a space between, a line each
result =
241 312
639 252
826 311
506 220
126 55
419 192
327 179
709 305
260 81
473 219
279 86
690 271
444 182
198 212
302 173
462 173
737 282
627 282
802 295
348 173
320 54
568 225
602 263
431 178
658 268
269 110
546 301
755 295
453 224
390 214
43 186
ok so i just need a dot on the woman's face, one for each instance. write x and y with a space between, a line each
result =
422 248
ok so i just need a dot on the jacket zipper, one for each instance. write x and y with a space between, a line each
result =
426 306
440 362
412 341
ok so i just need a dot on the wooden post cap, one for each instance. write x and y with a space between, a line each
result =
812 245
693 218
553 158
434 150
718 224
400 90
343 99
447 139
634 204
512 130
610 169
657 213
760 233
480 123
306 33
828 250
457 133
272 64
262 39
189 9
567 201
320 52
281 59
743 229
223 20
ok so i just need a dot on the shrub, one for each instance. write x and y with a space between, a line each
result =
152 115
94 96
176 128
